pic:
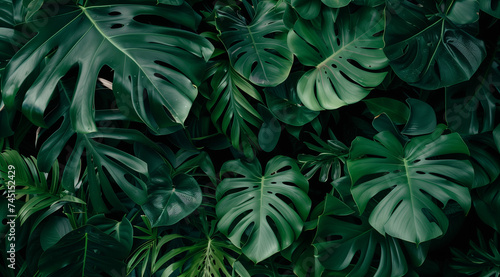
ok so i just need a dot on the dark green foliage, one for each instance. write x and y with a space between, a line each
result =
310 138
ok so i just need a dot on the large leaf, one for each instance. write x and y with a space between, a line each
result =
490 6
397 111
486 201
310 9
484 158
85 251
410 180
346 53
426 48
154 79
229 108
471 107
344 239
257 50
106 165
262 213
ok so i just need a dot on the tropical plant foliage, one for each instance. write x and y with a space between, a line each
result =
249 138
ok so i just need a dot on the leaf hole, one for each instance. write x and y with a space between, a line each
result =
114 13
117 26
333 237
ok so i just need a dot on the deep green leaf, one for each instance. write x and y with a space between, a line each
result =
231 110
422 118
471 107
169 199
122 230
257 50
343 239
397 111
425 48
55 228
284 103
410 180
275 203
153 81
491 7
85 251
347 56
270 130
486 200
484 158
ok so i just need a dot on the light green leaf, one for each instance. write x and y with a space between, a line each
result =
410 180
262 213
346 53
257 50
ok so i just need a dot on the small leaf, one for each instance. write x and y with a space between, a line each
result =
397 111
422 118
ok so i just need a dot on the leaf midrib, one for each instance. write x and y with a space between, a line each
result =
94 23
332 56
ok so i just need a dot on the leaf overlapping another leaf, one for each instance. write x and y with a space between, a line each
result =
409 178
346 52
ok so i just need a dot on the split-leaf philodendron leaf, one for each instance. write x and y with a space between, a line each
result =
152 77
260 203
346 53
409 179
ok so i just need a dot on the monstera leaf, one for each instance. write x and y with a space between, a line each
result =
106 166
410 180
346 53
262 213
86 251
343 239
471 107
153 77
257 50
426 48
487 202
230 110
309 9
491 7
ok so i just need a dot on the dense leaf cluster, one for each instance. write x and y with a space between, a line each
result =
250 138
